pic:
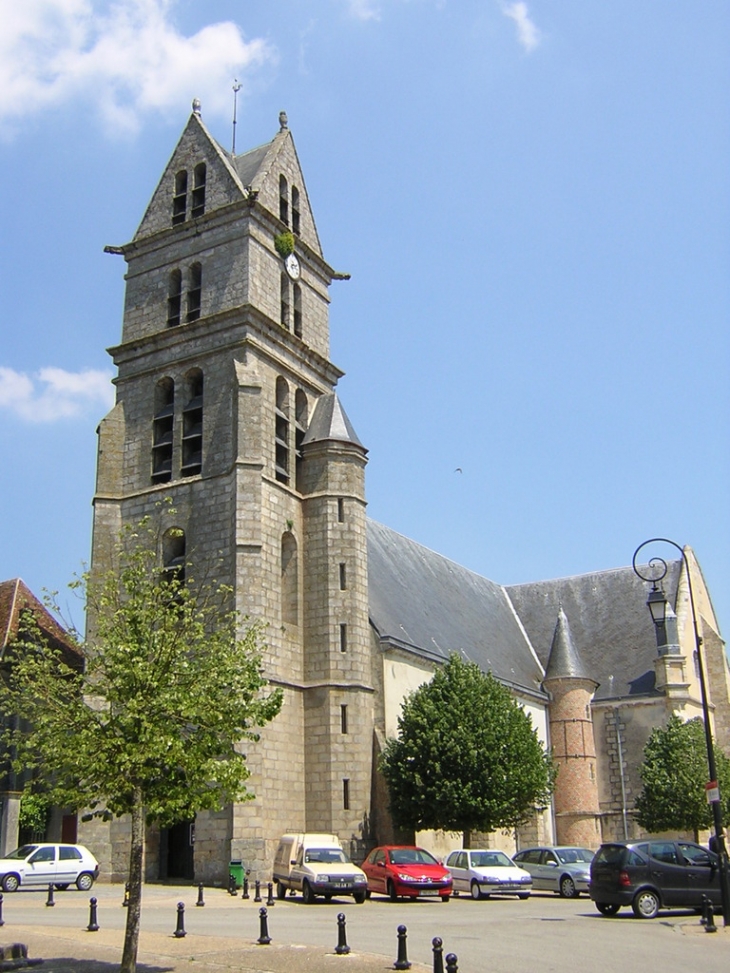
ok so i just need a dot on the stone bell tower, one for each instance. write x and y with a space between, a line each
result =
571 733
226 404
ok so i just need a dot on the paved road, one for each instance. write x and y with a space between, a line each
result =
542 934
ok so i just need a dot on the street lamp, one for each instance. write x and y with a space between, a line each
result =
657 605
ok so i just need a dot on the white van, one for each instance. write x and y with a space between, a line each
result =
315 864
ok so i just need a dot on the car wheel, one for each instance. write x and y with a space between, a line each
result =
10 883
392 894
444 898
280 891
62 887
645 904
567 888
307 894
607 908
359 897
84 881
368 893
476 892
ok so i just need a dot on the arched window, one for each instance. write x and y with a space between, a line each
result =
174 299
289 580
162 427
198 201
192 442
195 285
180 198
281 434
283 200
300 428
173 553
285 301
295 210
297 310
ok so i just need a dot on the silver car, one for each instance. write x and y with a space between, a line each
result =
486 872
564 869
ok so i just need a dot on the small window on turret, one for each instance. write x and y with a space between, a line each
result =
199 174
343 637
180 198
283 200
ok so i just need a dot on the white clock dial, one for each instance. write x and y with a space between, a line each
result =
292 267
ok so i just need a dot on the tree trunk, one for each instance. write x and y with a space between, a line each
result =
136 850
467 839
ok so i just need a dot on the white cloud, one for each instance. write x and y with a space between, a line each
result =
527 33
53 393
126 57
364 9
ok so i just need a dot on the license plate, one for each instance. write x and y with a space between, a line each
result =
427 893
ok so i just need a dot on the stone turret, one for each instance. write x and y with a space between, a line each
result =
571 732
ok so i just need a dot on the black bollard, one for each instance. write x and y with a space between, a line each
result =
257 891
451 963
200 895
50 900
270 898
402 962
264 937
125 900
232 890
2 921
342 949
438 955
180 930
245 894
709 915
93 924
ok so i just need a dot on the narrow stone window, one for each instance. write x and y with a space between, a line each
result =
283 200
194 292
343 577
198 201
343 637
281 432
162 427
297 310
173 554
192 443
295 210
301 410
346 794
174 299
180 198
343 718
285 301
341 510
289 580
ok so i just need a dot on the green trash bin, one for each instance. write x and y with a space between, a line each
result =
235 868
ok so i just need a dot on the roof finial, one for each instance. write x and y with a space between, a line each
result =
196 106
283 121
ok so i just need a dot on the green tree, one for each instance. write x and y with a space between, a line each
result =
466 758
674 774
153 726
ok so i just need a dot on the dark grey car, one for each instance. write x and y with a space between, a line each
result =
651 875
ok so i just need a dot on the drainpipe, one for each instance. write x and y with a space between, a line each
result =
621 772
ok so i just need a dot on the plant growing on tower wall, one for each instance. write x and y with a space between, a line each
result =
152 727
284 243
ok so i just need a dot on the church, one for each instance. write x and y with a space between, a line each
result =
226 402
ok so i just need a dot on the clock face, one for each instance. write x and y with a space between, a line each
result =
292 267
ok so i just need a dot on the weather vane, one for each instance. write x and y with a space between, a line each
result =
236 89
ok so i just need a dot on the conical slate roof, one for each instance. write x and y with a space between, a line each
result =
329 421
565 661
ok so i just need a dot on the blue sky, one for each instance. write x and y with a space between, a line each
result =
532 199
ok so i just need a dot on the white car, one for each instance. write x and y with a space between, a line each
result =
487 872
49 864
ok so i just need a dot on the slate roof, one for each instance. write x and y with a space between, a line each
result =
425 603
248 163
609 624
564 661
329 421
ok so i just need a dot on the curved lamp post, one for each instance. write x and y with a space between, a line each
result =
657 605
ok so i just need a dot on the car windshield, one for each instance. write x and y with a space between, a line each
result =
22 852
412 856
489 859
571 856
325 855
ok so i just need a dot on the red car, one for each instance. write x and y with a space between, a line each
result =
406 870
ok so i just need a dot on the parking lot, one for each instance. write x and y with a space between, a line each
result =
502 935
